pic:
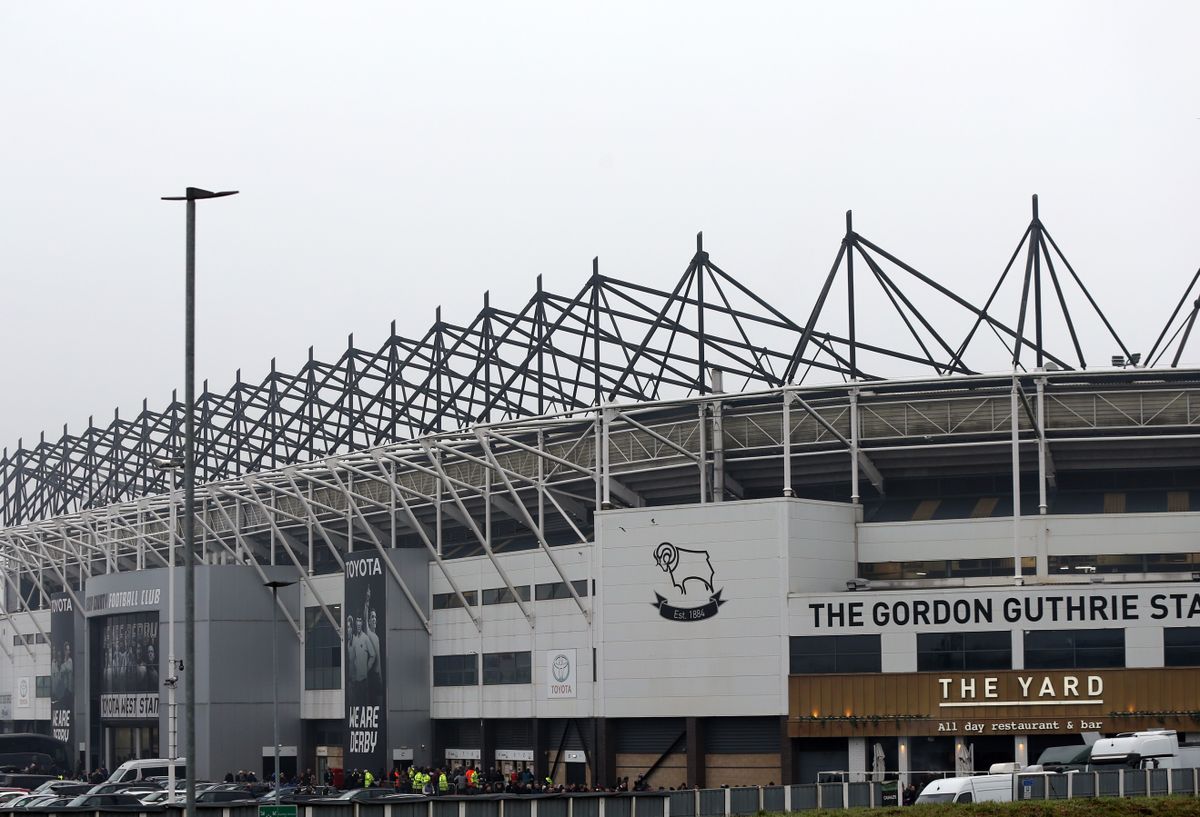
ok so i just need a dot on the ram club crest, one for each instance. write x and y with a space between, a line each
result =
689 570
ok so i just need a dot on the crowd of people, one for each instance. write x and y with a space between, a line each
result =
469 780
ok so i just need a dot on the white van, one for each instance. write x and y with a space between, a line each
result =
981 788
133 770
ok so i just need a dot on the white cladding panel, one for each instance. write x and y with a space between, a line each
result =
558 625
821 545
673 646
20 664
1083 534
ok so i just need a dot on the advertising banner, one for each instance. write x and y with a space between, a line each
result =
129 658
62 667
366 686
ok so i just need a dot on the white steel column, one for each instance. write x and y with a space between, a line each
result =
718 438
1016 482
787 443
1041 440
606 415
854 495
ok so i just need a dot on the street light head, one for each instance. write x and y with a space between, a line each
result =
196 193
167 463
277 583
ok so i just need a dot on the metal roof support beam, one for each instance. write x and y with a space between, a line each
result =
868 467
24 606
254 562
493 464
3 647
377 537
289 544
314 520
483 540
362 524
532 525
428 540
66 584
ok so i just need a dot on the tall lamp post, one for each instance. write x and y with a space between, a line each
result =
191 196
275 585
171 467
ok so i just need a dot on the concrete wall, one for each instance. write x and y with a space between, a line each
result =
671 773
741 770
235 682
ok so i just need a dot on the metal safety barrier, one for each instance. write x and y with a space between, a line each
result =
723 802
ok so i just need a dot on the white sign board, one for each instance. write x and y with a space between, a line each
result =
402 754
133 705
462 754
24 693
574 757
561 674
514 754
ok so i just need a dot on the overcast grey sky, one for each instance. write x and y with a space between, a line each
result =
397 156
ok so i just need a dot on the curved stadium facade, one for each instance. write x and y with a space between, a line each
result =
624 533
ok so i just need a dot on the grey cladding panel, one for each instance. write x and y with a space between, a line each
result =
649 735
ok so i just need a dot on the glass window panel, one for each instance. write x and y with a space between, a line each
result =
502 595
811 655
322 649
507 668
451 601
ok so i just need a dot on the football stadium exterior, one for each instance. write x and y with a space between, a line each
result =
675 560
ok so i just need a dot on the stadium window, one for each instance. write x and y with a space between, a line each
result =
964 651
558 590
502 595
507 668
1126 563
1181 647
450 601
41 686
1074 649
944 569
322 649
455 670
834 654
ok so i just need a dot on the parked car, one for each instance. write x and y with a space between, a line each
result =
25 799
980 788
50 803
8 796
103 801
65 786
135 770
215 795
355 796
144 786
